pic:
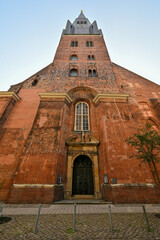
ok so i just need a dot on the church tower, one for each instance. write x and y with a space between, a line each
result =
63 129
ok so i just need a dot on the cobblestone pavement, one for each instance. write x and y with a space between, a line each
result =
25 209
128 226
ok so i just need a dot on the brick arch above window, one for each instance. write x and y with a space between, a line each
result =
82 93
73 72
153 122
73 57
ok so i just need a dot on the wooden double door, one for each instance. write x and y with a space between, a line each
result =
82 176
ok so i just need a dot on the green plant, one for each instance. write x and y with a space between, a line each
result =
149 230
69 230
147 145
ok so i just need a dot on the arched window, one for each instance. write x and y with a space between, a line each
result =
92 73
91 57
74 57
89 73
89 44
74 44
73 72
81 117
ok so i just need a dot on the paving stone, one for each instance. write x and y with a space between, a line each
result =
129 226
92 222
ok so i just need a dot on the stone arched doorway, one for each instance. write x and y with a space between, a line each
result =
85 151
82 182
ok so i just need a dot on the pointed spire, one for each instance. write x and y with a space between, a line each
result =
81 15
81 25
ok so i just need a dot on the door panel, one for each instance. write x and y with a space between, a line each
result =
83 176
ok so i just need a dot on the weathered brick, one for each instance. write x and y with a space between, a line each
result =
34 130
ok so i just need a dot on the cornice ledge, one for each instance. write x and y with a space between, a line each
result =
34 185
55 95
9 95
109 96
130 185
82 144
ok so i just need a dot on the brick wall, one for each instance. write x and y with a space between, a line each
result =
36 195
32 146
131 194
15 130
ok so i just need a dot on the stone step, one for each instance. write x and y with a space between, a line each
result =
82 201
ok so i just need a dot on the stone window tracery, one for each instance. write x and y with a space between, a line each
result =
81 117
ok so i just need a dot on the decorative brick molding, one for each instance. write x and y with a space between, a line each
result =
156 105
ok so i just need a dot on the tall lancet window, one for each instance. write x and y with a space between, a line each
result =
82 117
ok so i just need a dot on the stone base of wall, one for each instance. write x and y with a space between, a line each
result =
35 193
131 193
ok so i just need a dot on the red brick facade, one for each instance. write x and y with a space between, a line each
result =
35 127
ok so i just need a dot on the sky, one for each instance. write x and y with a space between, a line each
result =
30 31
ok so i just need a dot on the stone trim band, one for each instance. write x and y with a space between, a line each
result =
56 95
132 185
9 95
35 185
109 95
